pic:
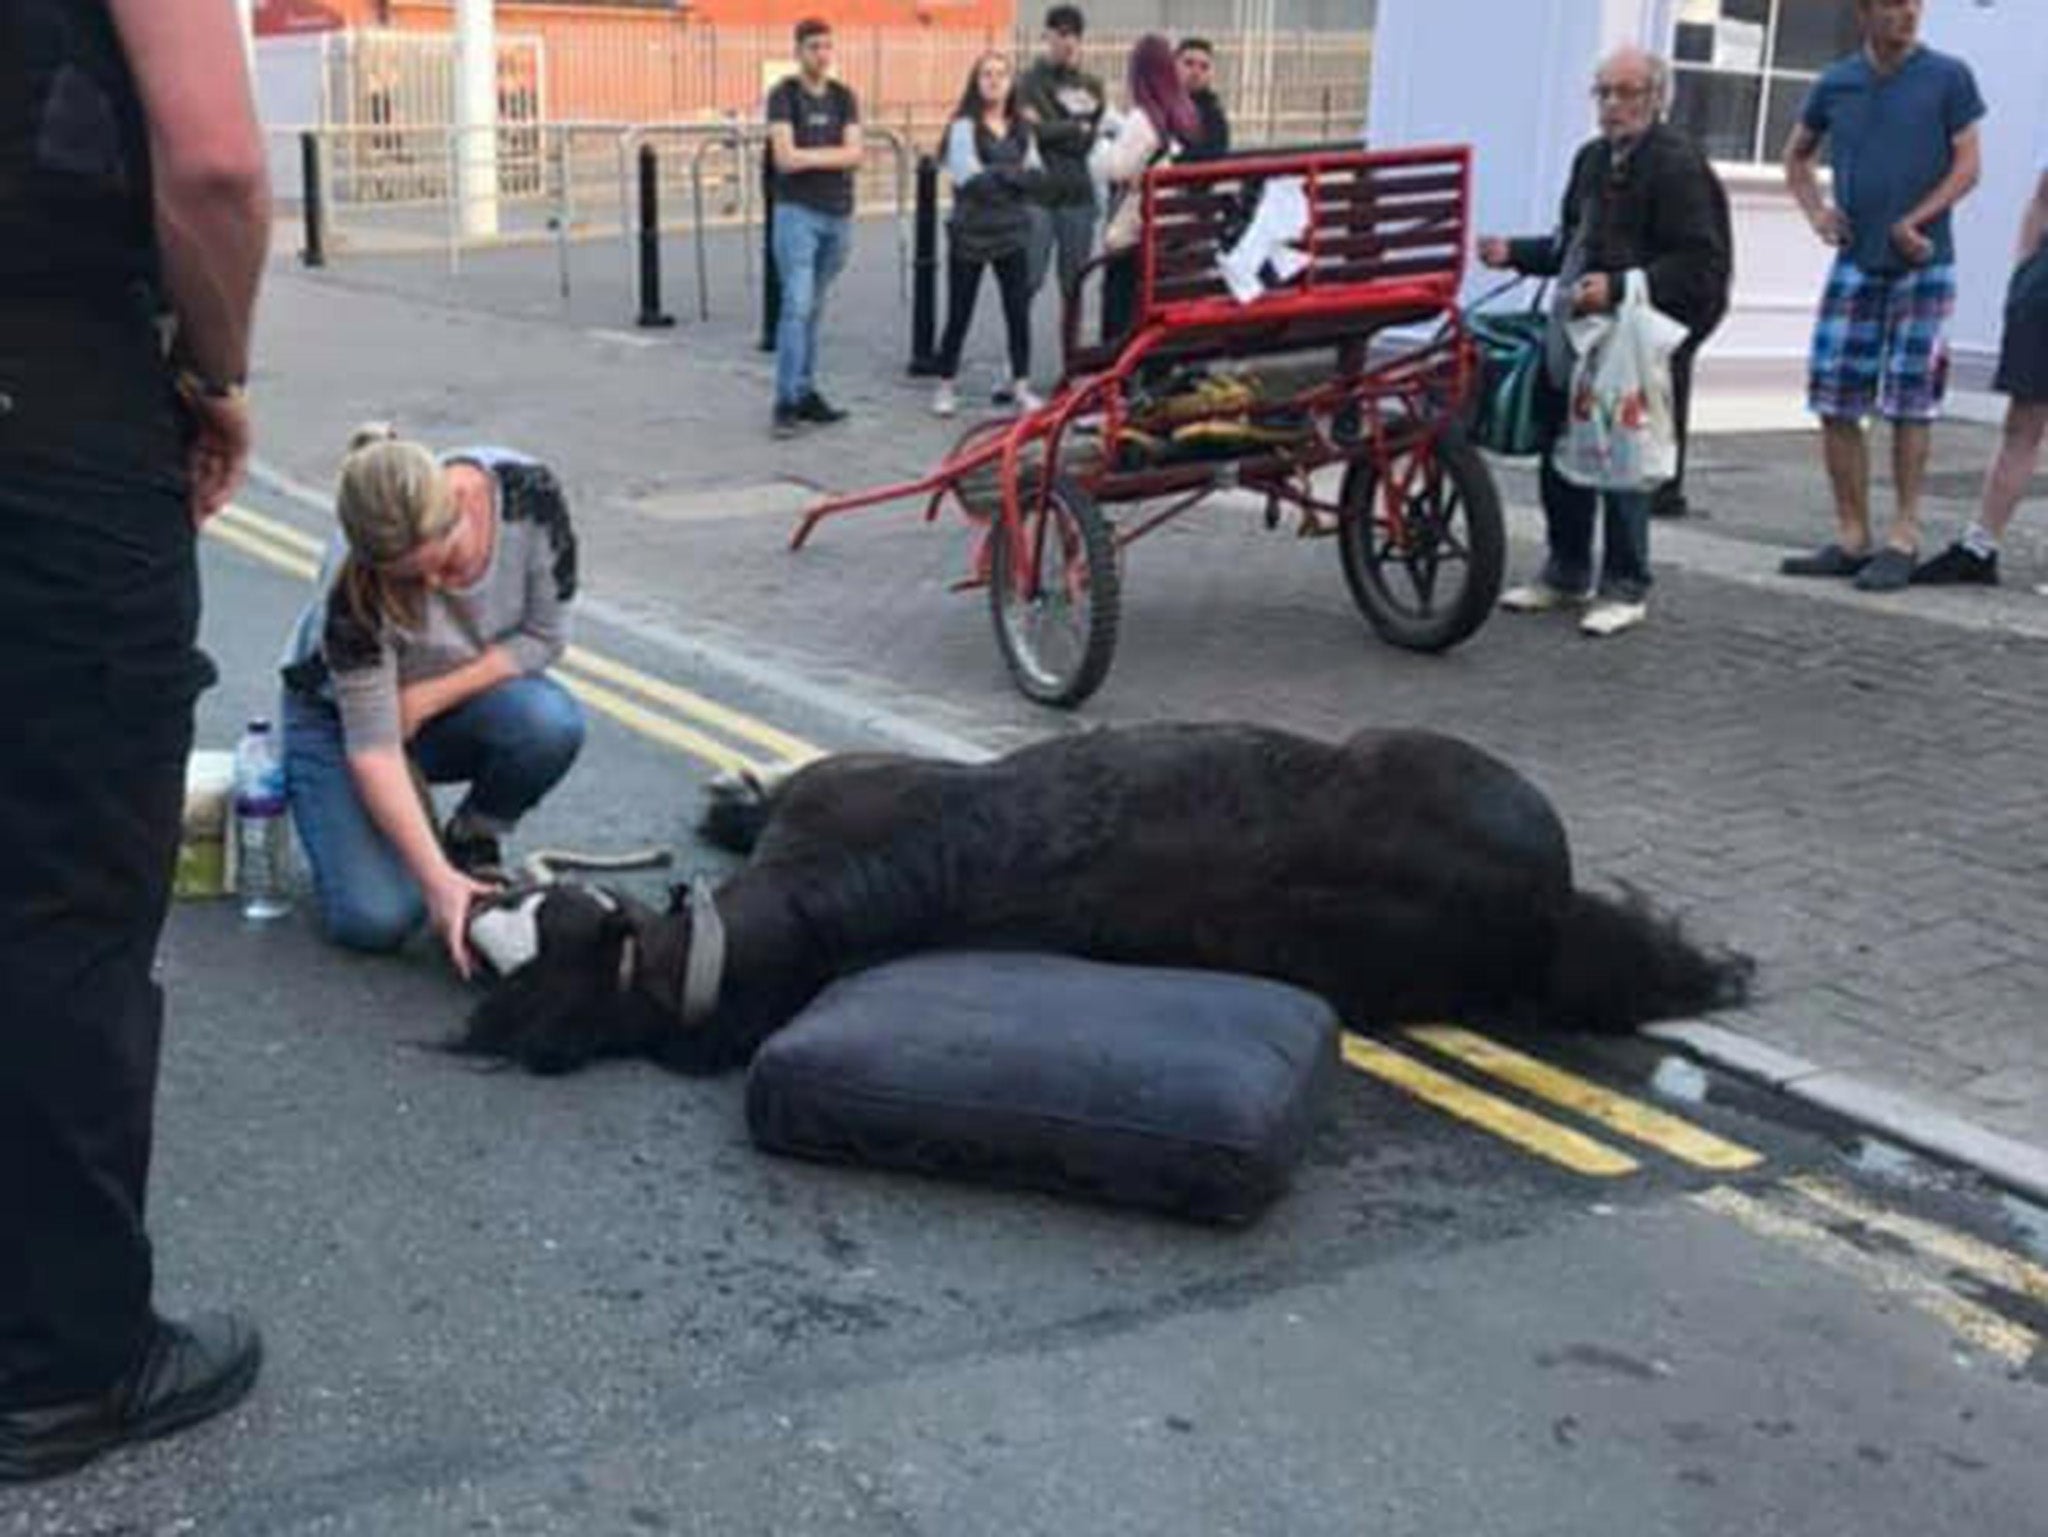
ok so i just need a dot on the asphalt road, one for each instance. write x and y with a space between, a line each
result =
496 1303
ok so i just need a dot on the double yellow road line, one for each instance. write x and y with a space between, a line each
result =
1561 1144
679 718
1973 1287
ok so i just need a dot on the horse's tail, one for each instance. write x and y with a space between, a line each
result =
1618 964
737 805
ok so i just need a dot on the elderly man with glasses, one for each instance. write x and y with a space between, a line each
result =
1641 197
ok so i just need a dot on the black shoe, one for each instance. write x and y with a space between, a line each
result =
787 422
1958 566
1003 395
1889 570
814 408
1828 560
188 1373
473 850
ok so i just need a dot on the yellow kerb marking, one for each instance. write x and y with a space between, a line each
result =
693 706
2012 1343
1617 1112
1560 1144
645 721
282 532
2007 1271
253 542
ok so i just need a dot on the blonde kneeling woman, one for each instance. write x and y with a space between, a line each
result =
439 609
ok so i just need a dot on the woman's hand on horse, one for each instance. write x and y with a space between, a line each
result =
449 895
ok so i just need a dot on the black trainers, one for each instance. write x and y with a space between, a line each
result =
1958 566
187 1373
815 408
473 850
1889 570
787 422
1828 560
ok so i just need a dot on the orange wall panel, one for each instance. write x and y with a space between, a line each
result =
436 15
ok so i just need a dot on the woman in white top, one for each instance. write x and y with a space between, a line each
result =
1161 120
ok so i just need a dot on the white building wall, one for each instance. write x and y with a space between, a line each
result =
2005 43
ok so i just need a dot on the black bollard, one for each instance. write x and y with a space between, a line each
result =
924 270
651 314
311 205
771 281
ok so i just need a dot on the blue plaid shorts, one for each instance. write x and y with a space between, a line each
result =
1881 343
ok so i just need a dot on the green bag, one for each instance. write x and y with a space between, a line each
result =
1511 364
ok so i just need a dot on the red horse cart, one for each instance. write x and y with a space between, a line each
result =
1295 311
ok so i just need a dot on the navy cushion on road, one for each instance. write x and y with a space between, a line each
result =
1187 1092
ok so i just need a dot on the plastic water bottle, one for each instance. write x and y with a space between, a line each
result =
262 828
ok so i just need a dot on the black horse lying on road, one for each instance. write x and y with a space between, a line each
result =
1403 876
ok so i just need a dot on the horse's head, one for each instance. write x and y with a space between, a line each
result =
564 961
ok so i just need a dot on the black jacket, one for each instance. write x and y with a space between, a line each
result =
1214 143
1068 104
1663 210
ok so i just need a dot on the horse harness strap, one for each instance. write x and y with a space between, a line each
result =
704 968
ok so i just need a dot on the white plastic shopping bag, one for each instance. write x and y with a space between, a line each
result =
1621 432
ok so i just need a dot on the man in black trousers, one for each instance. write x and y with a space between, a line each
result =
134 221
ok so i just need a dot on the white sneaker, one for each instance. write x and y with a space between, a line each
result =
1539 598
1026 398
1610 616
945 399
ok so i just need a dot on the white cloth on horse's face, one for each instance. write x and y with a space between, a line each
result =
505 931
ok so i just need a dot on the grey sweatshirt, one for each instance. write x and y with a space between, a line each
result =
520 603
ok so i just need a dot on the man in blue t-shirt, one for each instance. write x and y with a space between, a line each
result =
1900 124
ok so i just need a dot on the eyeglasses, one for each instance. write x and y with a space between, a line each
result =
1602 92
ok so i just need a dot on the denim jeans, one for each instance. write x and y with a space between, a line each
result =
1568 515
1071 229
1569 512
99 667
810 250
511 744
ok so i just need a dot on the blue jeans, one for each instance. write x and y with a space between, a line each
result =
1069 229
1568 515
810 250
511 744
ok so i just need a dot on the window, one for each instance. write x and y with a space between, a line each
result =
1741 69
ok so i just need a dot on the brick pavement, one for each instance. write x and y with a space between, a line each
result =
1848 788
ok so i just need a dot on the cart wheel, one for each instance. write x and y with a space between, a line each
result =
1057 633
1429 580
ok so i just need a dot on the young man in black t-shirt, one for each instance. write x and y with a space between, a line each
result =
814 143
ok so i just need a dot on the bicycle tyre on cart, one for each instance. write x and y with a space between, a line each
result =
1427 580
1058 639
